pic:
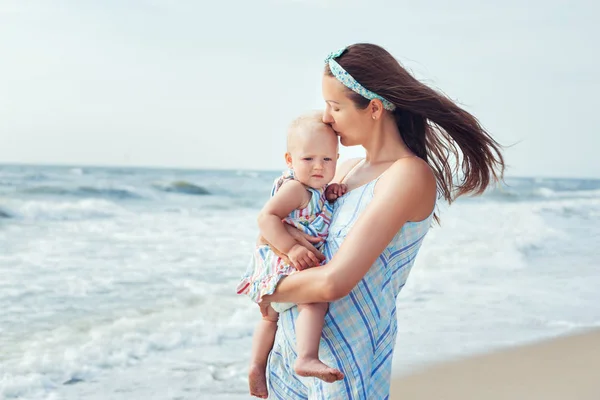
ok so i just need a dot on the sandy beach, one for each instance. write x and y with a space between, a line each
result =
557 369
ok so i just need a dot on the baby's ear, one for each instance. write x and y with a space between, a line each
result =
288 159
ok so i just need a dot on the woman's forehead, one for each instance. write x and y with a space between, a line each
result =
332 86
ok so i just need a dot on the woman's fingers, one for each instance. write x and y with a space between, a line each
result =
264 308
314 260
302 265
305 243
311 238
293 231
309 260
320 257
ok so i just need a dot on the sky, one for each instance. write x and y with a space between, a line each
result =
199 84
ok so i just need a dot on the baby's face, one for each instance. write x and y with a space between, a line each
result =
314 156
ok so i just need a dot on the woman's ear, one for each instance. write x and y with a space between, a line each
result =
376 108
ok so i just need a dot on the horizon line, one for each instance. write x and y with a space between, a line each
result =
226 169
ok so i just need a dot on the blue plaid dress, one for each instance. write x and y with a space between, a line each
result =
360 329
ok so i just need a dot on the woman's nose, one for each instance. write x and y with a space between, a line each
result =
327 118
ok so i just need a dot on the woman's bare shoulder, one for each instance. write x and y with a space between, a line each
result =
343 167
412 184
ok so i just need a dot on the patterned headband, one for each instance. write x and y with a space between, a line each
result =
351 83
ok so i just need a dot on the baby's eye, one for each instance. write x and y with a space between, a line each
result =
327 159
307 158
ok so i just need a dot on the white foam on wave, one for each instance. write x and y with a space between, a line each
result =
544 192
76 171
540 192
80 351
475 235
566 194
582 207
162 283
67 210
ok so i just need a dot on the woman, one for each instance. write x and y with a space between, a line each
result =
411 135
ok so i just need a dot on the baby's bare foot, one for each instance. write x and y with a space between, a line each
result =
314 367
257 381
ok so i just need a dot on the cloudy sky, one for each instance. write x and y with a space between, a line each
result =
214 84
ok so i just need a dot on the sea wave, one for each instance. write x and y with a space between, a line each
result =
4 213
76 353
83 191
182 187
65 210
540 193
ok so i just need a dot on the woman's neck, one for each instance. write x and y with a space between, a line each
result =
385 143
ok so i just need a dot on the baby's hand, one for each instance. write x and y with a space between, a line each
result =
302 258
335 190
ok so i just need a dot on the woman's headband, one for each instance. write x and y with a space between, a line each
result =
351 83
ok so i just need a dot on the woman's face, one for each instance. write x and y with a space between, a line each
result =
352 125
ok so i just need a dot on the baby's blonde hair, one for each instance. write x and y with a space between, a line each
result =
311 120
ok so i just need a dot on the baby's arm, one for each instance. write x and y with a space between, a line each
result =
335 190
291 196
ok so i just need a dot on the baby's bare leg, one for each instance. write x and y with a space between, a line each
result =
308 335
262 343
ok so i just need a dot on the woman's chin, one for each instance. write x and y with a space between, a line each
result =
347 143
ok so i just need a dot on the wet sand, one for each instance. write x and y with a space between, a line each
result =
565 368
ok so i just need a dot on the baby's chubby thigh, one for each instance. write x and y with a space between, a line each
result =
268 312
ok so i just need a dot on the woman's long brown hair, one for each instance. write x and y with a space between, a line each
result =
434 127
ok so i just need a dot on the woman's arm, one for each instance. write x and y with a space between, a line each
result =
405 192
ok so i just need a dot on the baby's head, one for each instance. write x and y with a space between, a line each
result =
312 150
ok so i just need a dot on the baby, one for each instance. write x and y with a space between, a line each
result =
300 197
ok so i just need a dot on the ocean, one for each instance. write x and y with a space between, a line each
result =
119 283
